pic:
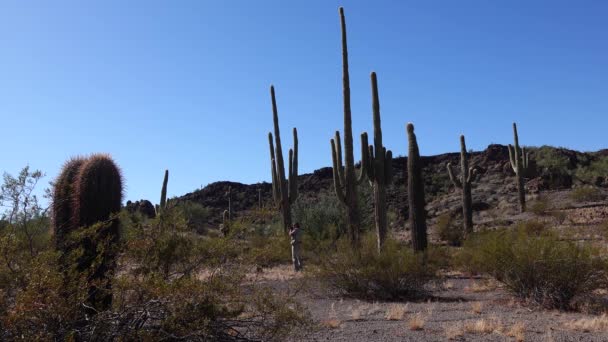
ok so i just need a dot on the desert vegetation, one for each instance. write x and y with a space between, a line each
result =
383 257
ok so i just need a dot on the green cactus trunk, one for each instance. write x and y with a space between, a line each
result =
519 162
345 179
376 164
467 177
285 191
163 192
415 193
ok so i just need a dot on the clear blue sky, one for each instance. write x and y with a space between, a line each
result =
184 85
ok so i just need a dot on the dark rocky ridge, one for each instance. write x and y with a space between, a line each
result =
494 188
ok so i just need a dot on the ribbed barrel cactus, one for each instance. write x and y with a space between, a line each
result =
87 194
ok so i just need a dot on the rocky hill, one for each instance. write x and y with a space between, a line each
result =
551 169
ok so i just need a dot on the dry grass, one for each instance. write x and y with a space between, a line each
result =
484 326
396 312
517 331
481 286
417 322
453 331
357 313
596 324
476 307
332 323
448 285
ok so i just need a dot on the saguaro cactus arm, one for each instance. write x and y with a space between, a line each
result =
337 170
457 183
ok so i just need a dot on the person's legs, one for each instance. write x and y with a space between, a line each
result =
294 256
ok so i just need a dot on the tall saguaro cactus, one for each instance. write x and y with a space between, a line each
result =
467 176
345 180
415 193
284 191
163 192
519 162
376 164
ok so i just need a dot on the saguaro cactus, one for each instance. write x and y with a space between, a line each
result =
376 164
163 192
285 191
415 193
225 228
467 176
345 180
519 162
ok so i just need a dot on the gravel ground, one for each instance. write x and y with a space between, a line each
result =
463 309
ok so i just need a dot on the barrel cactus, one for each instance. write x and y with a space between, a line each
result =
87 194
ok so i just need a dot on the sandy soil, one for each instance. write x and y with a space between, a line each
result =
464 309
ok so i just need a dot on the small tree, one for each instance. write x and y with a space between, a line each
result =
23 213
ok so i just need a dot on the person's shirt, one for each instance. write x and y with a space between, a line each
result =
295 235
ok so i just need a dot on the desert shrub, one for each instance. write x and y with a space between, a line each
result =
196 215
596 169
269 250
396 273
217 307
587 194
551 160
541 269
449 230
532 227
321 218
539 206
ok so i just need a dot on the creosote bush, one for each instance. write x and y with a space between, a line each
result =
535 266
449 231
587 194
396 273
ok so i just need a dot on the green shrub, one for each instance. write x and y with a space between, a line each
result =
196 215
587 194
396 273
541 269
449 230
539 206
532 227
321 218
596 169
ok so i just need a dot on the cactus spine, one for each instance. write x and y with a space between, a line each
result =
376 164
163 192
285 191
345 180
415 193
519 162
62 213
89 191
467 176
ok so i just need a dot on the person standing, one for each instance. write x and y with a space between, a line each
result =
296 241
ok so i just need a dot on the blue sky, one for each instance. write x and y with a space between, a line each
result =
184 85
